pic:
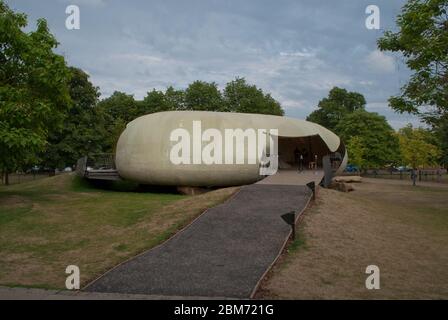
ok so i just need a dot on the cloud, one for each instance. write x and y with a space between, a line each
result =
139 58
296 50
303 54
396 120
91 3
378 61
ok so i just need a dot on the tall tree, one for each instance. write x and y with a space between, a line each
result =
357 151
376 135
337 105
33 89
154 101
239 96
83 130
422 38
175 99
417 148
440 130
118 109
119 105
203 96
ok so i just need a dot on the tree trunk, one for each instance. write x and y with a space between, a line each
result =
6 178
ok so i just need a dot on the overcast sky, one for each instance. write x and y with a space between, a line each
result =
296 50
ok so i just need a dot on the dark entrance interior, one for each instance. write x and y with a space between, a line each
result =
310 149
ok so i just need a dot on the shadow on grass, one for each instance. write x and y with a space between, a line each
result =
85 185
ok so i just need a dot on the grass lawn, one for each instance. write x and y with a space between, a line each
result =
401 229
50 223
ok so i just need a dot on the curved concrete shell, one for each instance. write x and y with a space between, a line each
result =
144 148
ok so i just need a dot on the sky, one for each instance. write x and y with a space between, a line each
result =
297 50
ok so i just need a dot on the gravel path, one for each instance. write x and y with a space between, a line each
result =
223 253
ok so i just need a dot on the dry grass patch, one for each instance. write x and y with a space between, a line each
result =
400 228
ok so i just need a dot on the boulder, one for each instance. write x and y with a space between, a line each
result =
347 179
341 186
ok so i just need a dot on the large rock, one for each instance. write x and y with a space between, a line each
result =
341 186
347 179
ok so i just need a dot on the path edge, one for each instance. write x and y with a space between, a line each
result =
269 268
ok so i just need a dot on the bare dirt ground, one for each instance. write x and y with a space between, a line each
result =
401 229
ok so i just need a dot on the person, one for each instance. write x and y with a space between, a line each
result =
305 155
296 155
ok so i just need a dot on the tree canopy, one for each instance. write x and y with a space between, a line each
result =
204 96
337 105
239 96
34 93
422 38
83 129
417 147
373 135
117 110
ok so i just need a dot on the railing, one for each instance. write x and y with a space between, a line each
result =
435 175
101 161
96 163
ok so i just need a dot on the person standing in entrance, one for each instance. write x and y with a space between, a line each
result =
296 155
301 162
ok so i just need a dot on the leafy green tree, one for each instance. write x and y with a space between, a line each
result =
114 131
440 131
422 38
118 109
154 101
239 96
336 106
377 136
33 89
203 96
119 105
416 147
83 130
357 151
175 99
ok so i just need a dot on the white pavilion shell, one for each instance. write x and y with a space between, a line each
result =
143 149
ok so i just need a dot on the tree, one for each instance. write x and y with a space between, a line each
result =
118 109
203 96
175 99
239 96
357 151
376 135
416 147
119 105
154 101
422 38
440 131
83 130
33 89
336 106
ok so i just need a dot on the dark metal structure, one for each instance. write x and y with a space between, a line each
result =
98 166
290 218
